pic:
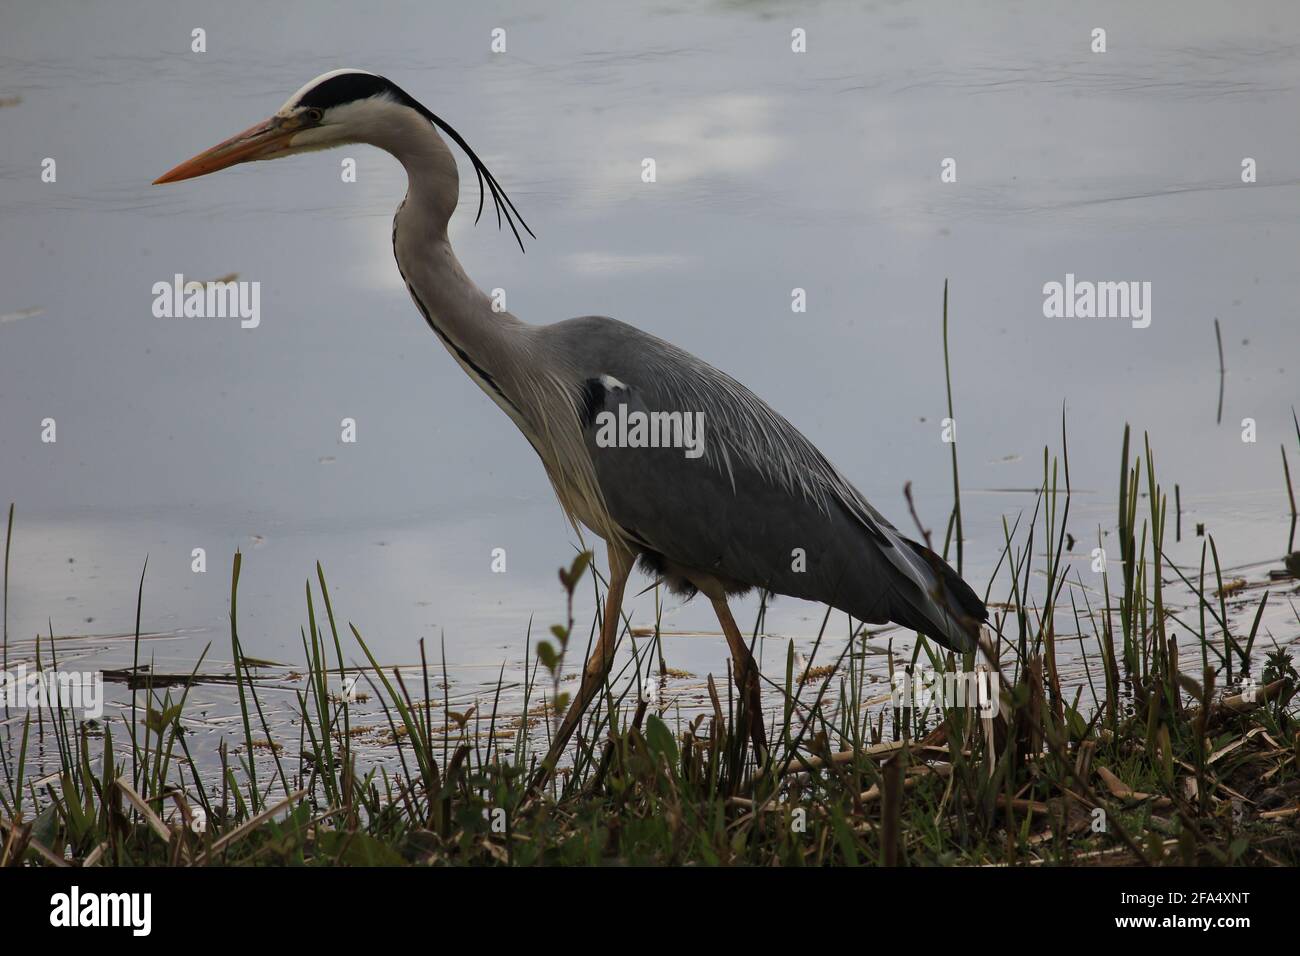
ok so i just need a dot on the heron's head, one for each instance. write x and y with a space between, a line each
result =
350 106
344 106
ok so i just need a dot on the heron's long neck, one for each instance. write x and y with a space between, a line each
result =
488 344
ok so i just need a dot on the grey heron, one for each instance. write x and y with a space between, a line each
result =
756 505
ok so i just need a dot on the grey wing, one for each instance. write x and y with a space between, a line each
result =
753 503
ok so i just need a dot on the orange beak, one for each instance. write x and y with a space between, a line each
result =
257 142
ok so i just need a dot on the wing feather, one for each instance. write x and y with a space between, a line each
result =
761 506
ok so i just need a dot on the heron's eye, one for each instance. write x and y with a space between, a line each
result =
315 115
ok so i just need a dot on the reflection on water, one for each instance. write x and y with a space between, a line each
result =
818 171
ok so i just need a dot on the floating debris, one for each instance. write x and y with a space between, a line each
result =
816 673
20 314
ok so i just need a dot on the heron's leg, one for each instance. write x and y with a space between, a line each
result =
746 673
601 660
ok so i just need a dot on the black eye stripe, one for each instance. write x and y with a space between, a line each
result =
350 87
